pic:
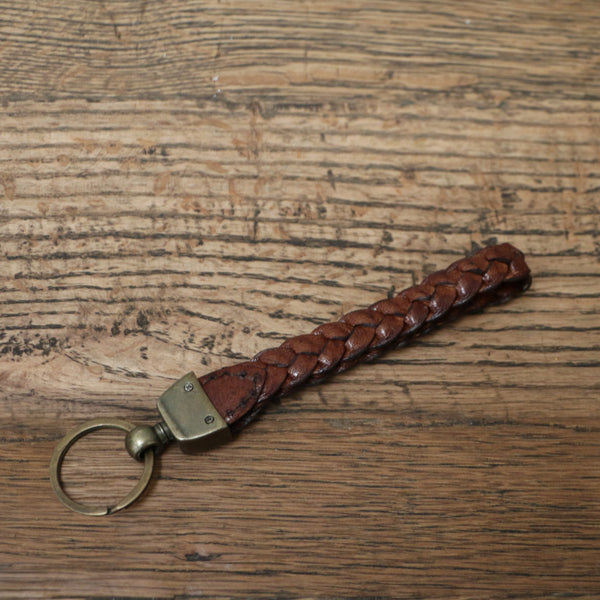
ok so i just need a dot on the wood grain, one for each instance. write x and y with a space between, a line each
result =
183 184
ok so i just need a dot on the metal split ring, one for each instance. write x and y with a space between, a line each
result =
63 447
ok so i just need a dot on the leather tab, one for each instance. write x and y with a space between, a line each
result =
492 275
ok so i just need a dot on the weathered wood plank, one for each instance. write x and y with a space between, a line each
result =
184 184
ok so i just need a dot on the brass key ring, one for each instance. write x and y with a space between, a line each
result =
63 447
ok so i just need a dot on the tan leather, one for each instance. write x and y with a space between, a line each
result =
493 275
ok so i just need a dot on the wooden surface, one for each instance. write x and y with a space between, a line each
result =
183 184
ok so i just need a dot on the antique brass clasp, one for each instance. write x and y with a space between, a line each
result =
188 418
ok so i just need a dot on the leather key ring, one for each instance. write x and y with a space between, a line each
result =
200 413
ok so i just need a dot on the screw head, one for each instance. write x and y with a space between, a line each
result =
208 420
188 387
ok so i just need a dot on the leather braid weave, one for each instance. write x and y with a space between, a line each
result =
493 275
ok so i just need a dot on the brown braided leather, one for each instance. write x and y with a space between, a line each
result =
493 275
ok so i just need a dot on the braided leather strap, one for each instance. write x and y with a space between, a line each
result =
493 275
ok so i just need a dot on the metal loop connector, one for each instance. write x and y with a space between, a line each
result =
63 447
144 438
